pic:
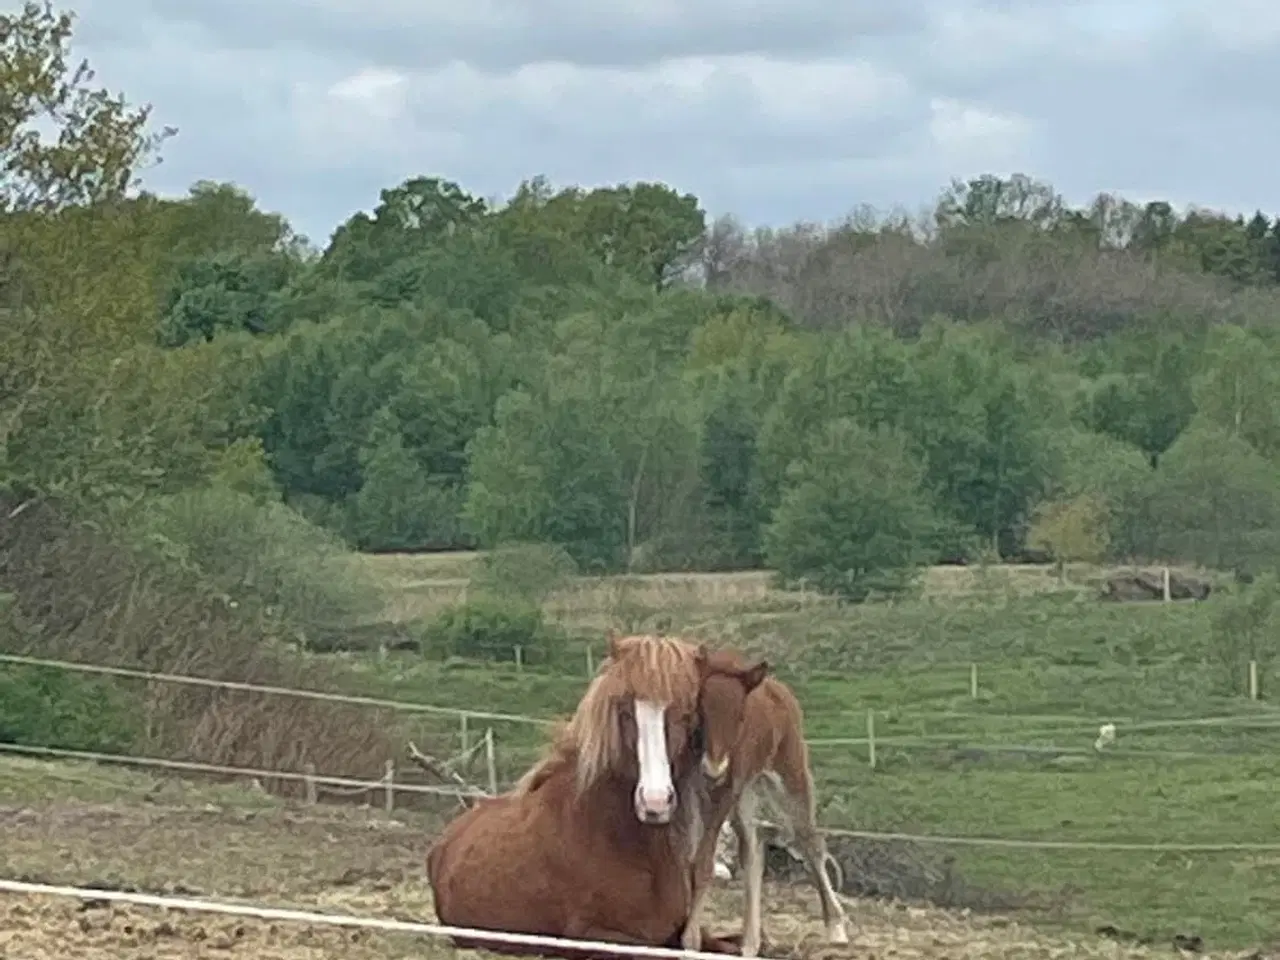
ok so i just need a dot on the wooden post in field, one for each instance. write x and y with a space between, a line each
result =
519 658
389 799
491 761
973 681
591 666
871 738
463 735
1164 583
1253 679
309 782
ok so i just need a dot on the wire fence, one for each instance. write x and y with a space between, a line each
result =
390 786
1079 726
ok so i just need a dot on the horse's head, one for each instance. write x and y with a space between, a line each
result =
722 709
638 720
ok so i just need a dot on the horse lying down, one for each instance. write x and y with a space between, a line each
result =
597 841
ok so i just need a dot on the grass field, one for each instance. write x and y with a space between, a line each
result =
420 585
1016 761
1053 664
70 824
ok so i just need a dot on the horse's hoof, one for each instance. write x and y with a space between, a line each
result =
836 933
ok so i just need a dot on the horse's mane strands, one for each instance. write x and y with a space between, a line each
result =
661 669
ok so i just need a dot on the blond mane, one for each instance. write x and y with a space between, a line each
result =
646 667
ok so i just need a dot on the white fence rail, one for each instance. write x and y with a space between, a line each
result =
288 915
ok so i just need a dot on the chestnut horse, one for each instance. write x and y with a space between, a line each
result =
596 841
754 750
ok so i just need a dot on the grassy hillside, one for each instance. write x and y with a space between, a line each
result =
1017 761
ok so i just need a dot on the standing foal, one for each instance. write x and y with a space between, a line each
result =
754 750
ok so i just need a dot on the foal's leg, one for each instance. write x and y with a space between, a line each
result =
798 803
751 866
703 871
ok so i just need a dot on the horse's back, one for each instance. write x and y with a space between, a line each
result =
773 729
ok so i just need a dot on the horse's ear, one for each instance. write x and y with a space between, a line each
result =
753 676
613 637
700 656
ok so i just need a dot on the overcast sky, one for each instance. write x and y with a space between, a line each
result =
775 110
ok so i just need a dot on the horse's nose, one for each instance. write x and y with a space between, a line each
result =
715 769
655 806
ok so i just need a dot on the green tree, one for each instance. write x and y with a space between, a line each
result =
1072 531
855 516
101 140
1239 387
1214 500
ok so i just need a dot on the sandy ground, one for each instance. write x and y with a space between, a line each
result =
360 862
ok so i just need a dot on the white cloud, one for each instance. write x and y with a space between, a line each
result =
774 109
975 136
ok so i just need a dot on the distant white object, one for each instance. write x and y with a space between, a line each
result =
1106 736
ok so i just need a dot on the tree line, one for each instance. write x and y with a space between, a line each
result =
614 372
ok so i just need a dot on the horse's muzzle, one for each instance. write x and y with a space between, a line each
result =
715 769
655 807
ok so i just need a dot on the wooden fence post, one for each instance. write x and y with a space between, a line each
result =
1253 679
519 658
310 782
591 667
389 800
1164 584
463 735
973 681
871 738
491 761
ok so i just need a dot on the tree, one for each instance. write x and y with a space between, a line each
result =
1239 387
1072 531
101 141
855 516
1214 500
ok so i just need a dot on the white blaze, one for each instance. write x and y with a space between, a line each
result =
655 793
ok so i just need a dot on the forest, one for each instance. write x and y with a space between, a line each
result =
619 374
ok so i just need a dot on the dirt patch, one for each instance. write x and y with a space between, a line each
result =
359 862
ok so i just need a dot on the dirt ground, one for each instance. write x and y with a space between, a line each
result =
361 862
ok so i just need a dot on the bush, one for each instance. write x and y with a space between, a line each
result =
43 707
528 572
243 546
854 516
490 628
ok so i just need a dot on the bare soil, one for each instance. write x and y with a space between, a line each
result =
361 862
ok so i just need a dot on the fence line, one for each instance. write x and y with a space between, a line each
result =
213 768
286 914
1263 719
1020 844
1258 721
447 791
405 705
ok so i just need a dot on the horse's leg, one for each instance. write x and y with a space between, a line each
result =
703 871
798 805
751 866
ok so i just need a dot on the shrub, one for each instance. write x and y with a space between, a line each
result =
44 707
243 546
490 628
528 572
